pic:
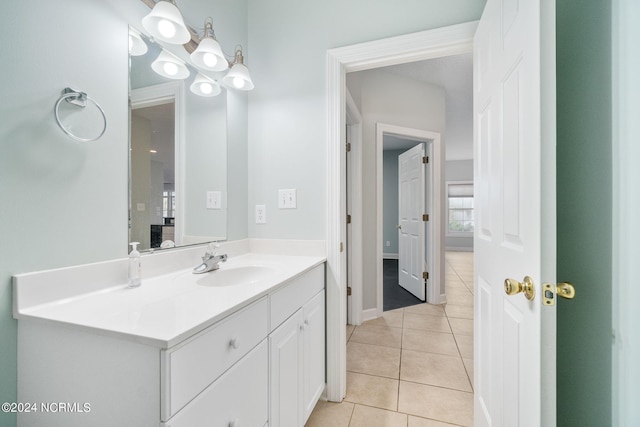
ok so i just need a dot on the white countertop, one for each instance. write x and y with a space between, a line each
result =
167 308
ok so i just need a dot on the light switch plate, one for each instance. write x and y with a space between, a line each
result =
287 199
214 200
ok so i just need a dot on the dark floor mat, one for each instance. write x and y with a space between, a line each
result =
394 295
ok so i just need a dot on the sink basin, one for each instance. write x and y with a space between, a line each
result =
234 276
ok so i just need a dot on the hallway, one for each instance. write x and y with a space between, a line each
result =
413 367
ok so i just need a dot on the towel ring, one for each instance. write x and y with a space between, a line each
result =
79 99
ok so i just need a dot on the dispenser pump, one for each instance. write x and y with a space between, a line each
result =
135 266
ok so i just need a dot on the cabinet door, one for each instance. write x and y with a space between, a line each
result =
314 352
285 347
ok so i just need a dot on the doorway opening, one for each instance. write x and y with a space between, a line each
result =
437 43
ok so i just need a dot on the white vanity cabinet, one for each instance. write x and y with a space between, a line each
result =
297 350
190 387
258 363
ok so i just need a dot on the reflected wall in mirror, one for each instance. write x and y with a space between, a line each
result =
178 159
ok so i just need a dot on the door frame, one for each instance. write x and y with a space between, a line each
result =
354 257
451 40
433 174
158 94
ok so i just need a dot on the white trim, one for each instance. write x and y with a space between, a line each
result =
163 94
369 314
354 122
440 42
387 255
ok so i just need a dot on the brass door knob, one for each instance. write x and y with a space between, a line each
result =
513 287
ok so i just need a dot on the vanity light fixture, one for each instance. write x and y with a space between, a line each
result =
208 54
204 86
170 66
165 23
137 46
238 77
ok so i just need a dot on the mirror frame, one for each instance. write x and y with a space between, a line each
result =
156 95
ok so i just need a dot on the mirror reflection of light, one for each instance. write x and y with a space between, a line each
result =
170 68
166 28
209 59
130 43
206 88
238 82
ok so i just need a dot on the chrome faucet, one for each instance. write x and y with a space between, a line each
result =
210 261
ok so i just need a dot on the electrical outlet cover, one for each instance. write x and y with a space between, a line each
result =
261 214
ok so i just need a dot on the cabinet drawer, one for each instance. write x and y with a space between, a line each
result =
287 300
190 367
238 397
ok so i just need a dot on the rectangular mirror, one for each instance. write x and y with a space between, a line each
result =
178 159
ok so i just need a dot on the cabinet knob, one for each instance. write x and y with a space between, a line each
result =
234 343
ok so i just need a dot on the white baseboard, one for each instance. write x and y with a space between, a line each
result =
458 249
369 314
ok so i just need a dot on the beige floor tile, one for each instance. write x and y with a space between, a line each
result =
425 309
461 326
468 364
430 342
330 414
385 336
436 403
434 369
372 391
350 329
365 416
373 360
391 318
460 311
426 323
465 345
462 299
424 422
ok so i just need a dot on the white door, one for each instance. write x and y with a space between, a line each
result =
411 230
514 167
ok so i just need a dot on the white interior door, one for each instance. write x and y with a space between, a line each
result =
411 231
514 140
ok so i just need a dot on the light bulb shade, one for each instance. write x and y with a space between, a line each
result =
165 23
170 66
204 86
238 78
208 55
137 46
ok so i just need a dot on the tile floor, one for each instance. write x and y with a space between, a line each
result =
413 367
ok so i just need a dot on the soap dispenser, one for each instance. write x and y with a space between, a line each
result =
135 266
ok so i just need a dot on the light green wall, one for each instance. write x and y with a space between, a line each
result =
287 110
390 196
64 202
584 178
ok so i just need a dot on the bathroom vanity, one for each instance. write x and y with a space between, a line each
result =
240 346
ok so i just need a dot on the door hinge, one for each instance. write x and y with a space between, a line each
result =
348 147
341 247
425 159
348 290
425 275
425 217
348 219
